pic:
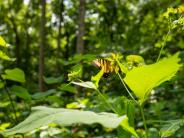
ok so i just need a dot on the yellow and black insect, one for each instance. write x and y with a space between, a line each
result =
107 65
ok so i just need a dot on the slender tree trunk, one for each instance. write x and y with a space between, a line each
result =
27 54
61 9
17 43
42 45
81 27
67 49
81 31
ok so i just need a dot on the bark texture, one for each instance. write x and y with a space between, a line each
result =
42 45
81 27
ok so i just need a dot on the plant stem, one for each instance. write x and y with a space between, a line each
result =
144 120
164 43
105 100
11 101
127 88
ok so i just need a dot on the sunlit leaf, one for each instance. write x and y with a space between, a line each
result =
181 8
2 42
122 67
87 84
127 127
3 126
15 74
142 80
5 57
43 116
79 104
97 77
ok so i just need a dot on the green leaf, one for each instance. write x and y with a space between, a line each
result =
15 74
75 72
79 104
127 127
97 77
41 95
2 42
53 80
1 84
43 116
87 84
122 67
79 57
171 127
135 58
142 80
5 57
68 88
21 92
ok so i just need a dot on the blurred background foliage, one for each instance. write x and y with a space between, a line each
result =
126 27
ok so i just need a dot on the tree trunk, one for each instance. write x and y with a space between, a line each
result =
61 9
81 27
27 52
42 45
17 43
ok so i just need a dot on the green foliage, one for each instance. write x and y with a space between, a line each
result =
127 127
95 79
68 88
42 116
43 95
142 80
133 29
20 92
1 84
15 74
87 84
5 56
171 127
81 103
2 42
76 72
53 80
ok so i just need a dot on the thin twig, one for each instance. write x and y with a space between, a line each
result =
164 42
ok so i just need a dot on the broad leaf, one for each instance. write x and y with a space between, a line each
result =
42 95
142 80
87 84
2 42
127 127
97 77
21 92
53 80
171 127
68 88
43 116
15 74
